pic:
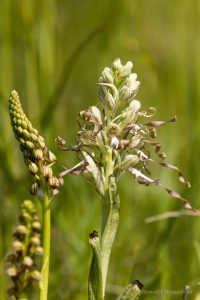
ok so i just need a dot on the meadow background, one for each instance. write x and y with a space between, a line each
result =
52 53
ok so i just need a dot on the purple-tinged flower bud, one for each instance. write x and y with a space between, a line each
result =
54 182
46 172
38 153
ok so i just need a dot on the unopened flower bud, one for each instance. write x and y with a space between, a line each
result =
26 134
116 65
153 133
107 75
110 101
29 145
36 275
11 272
41 142
54 182
20 230
124 93
38 153
27 261
34 188
51 156
36 226
29 206
46 172
129 161
126 70
33 168
39 250
18 246
35 241
34 137
97 114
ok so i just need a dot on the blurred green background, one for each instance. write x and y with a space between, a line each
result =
52 53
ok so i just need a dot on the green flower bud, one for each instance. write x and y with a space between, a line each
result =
26 134
124 93
33 137
35 241
29 206
39 250
36 275
29 145
110 101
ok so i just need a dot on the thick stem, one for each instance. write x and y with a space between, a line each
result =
46 247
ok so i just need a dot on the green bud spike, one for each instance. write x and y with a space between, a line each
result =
37 157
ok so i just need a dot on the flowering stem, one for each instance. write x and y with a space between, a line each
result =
46 246
102 248
110 221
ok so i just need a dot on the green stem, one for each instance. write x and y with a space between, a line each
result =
46 246
100 259
110 221
95 290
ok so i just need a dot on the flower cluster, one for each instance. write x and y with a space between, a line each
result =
114 136
26 246
38 158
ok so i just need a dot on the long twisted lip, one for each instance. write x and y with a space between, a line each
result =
147 180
